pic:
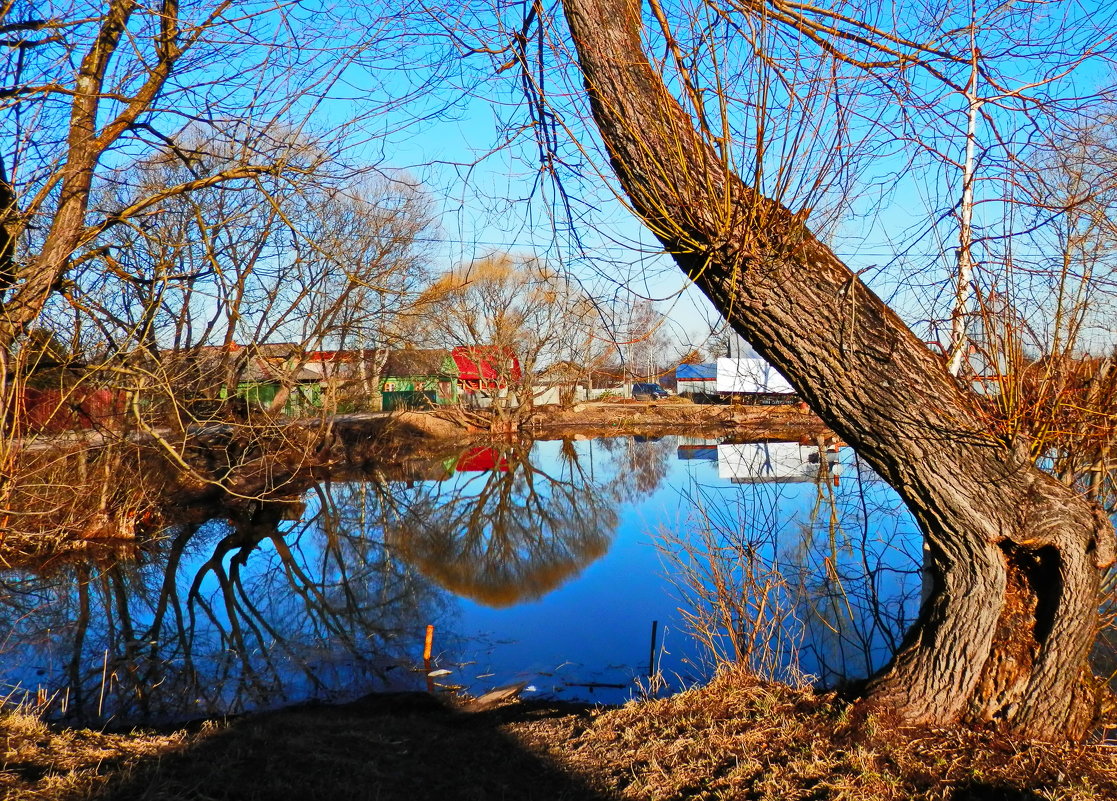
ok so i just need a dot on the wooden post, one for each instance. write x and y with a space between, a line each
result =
427 644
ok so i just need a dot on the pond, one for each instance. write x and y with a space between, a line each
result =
594 570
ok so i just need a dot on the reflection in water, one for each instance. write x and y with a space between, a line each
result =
316 596
790 571
758 462
327 593
506 530
229 615
637 467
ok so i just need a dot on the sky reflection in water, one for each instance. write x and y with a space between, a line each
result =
546 566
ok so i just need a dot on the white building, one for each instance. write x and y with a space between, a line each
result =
752 376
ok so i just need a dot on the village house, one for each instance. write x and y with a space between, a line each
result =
414 378
487 373
287 380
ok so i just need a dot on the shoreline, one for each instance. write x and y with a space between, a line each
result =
737 737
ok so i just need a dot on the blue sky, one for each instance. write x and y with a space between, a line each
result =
892 199
413 99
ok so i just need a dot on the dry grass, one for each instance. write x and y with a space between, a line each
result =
408 747
741 738
737 738
41 761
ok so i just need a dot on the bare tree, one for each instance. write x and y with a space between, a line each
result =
519 306
1072 192
91 89
642 341
1014 553
204 288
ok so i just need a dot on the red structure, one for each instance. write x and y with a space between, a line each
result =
486 367
53 411
482 459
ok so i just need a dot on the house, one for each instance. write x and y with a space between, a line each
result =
752 379
343 380
487 373
305 381
562 383
696 381
347 379
66 409
263 379
414 378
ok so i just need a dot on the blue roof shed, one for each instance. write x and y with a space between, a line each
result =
696 372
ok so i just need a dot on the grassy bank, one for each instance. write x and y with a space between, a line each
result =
736 738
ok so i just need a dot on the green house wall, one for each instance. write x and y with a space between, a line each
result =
303 398
421 391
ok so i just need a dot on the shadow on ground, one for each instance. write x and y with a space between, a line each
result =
407 747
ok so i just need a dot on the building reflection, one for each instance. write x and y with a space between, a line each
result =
766 461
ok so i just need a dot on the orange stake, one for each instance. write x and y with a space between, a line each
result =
427 658
427 645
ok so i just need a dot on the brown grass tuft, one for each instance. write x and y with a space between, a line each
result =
742 738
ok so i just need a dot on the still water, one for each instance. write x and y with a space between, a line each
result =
596 570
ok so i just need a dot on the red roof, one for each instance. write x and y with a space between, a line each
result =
488 363
331 356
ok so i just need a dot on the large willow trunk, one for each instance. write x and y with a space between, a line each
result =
1014 554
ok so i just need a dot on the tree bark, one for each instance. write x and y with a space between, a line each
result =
1014 554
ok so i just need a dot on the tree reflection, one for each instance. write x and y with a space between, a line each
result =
508 532
229 615
860 579
639 462
254 603
798 578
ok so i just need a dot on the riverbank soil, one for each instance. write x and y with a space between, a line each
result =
737 738
787 422
781 422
